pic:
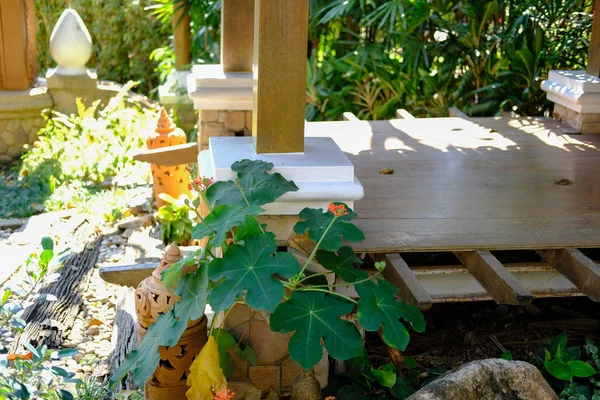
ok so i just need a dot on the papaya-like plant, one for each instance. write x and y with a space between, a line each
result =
252 271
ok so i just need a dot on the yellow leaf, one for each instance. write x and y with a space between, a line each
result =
206 376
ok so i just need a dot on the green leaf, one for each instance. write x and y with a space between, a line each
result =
172 275
581 369
251 268
222 220
47 243
250 228
167 329
342 263
312 316
258 186
378 305
557 345
46 256
247 354
316 223
507 355
64 353
65 395
401 390
559 369
385 378
225 341
59 372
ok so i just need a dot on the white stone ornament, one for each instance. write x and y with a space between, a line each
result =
70 44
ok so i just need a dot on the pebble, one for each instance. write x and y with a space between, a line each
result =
93 330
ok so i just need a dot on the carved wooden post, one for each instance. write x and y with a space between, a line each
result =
280 42
237 35
182 37
18 65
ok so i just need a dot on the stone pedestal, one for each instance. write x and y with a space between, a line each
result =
274 369
66 89
224 102
21 119
576 97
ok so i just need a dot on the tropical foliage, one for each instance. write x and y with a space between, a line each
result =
254 272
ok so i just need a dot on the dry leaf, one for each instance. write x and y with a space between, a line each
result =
253 394
206 376
95 321
386 171
24 356
563 182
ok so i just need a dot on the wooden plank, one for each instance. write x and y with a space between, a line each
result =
280 42
182 36
403 114
399 273
579 269
491 274
464 185
348 116
174 155
237 35
127 275
593 65
13 40
455 112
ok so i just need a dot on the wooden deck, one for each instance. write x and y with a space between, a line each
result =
480 184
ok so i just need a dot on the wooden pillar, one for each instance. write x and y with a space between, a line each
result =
17 44
593 65
237 35
280 42
182 36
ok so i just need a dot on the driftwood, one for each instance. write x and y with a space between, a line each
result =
50 323
124 337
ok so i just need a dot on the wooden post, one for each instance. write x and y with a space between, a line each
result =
17 44
182 37
593 65
280 42
237 35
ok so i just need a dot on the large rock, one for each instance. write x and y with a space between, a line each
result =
492 379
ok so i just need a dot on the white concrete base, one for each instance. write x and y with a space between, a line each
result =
575 90
323 173
212 89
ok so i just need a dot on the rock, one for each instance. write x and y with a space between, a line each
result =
137 222
93 330
492 379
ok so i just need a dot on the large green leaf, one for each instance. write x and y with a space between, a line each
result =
313 316
315 223
259 187
581 369
378 305
167 329
342 263
251 268
559 369
221 220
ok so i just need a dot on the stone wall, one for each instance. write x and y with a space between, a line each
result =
213 123
20 120
275 369
586 123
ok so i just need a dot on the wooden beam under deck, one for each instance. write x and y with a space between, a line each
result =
576 267
491 274
400 274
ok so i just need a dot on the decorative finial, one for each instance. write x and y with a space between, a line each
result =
164 125
70 44
172 255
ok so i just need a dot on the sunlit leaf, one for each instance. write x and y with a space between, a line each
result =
317 222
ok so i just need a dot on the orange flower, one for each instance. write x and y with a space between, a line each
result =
224 394
201 184
339 210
